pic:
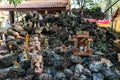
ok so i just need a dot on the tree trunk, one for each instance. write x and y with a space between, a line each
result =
107 6
15 5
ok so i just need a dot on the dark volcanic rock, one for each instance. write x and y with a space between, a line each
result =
13 43
97 76
7 60
58 64
20 41
43 77
16 72
10 37
60 76
25 64
76 59
50 70
68 72
23 33
64 36
3 73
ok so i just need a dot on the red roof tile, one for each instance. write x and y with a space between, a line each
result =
36 4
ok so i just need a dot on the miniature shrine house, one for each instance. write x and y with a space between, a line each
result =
82 42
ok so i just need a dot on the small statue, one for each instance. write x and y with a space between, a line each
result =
15 63
70 37
3 37
46 11
46 42
81 47
47 24
36 43
75 44
11 51
37 61
73 23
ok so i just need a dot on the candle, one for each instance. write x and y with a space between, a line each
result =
26 41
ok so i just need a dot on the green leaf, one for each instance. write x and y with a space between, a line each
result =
14 2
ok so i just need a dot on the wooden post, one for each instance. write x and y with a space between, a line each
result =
11 15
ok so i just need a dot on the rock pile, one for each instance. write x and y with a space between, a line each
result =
59 62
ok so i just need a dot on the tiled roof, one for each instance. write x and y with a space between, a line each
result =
36 4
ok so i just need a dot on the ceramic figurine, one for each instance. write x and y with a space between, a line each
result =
37 64
3 37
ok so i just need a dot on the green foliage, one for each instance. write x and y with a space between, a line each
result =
14 2
101 46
